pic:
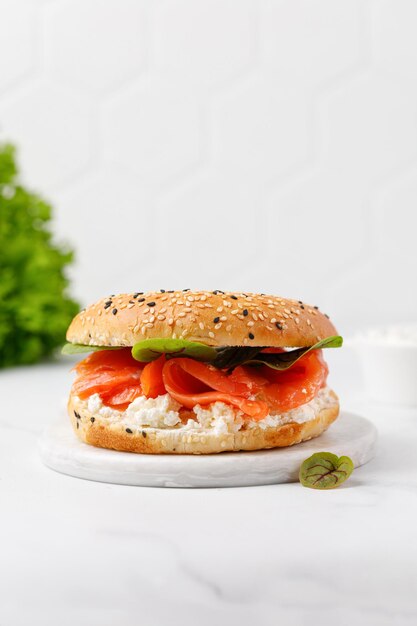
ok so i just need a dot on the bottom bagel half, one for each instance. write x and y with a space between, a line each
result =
96 429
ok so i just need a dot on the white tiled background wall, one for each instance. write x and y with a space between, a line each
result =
260 145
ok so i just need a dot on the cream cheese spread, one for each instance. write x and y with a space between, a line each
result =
163 412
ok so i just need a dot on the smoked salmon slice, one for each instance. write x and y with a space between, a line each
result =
255 390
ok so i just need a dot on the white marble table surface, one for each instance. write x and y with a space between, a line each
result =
75 552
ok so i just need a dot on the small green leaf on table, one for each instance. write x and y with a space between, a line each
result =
325 470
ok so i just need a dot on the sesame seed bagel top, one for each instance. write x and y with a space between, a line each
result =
215 318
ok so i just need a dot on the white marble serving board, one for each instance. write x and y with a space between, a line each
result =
60 450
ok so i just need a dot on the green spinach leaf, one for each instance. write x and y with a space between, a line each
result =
151 349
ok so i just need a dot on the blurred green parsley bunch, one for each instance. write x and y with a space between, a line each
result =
35 310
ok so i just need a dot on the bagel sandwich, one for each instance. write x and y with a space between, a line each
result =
200 372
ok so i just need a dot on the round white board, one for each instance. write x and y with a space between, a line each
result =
61 450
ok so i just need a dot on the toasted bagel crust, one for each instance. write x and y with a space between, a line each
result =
101 434
214 318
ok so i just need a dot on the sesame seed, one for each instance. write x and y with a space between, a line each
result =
144 434
251 336
201 325
150 303
78 424
216 320
129 431
228 328
316 307
250 323
138 293
223 318
234 297
161 318
141 299
219 309
114 311
92 420
106 306
325 315
170 321
245 312
279 325
211 335
217 326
